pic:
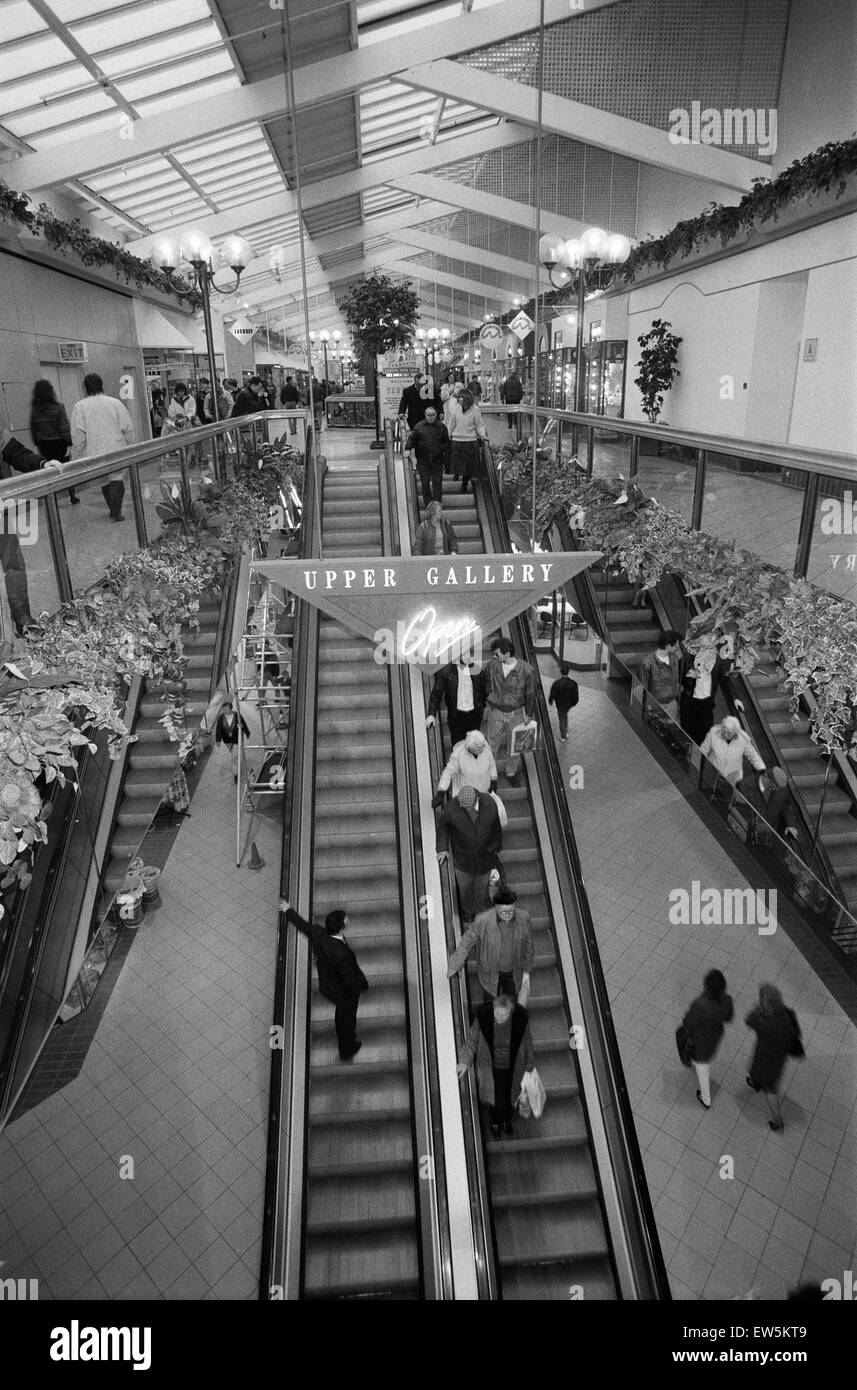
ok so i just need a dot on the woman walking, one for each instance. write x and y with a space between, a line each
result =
501 1045
705 1021
463 420
226 732
777 1037
49 427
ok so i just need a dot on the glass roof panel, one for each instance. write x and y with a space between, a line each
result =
20 19
106 30
180 96
161 48
33 60
190 71
61 113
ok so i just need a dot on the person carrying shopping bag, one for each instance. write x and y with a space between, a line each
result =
501 1045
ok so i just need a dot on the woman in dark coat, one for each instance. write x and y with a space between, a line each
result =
501 1044
226 732
49 426
705 1021
777 1037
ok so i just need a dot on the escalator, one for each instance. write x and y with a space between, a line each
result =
549 1225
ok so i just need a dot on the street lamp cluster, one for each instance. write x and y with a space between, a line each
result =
193 248
433 343
586 263
340 354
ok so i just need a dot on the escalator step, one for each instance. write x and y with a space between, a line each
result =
380 1200
554 1282
562 1231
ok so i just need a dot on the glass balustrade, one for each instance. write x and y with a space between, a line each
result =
668 473
758 505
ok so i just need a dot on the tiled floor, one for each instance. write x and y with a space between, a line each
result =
790 1210
176 1080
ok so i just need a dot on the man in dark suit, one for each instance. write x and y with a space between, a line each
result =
470 825
462 689
340 978
412 406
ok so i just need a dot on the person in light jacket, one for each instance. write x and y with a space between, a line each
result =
777 1036
705 1021
726 746
471 764
436 535
501 1045
463 420
503 940
100 425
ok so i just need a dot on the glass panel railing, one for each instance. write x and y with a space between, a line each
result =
668 474
611 452
30 585
99 528
833 547
754 503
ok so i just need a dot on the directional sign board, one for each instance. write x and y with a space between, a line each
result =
243 330
521 325
491 338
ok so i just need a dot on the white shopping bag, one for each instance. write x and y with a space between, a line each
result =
522 738
533 1097
501 810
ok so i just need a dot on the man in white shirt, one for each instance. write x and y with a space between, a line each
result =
100 425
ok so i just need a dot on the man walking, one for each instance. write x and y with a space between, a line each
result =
503 940
290 399
428 444
462 689
471 825
510 698
100 425
705 1021
565 695
251 398
340 978
512 393
415 399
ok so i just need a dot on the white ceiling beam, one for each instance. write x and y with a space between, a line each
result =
381 171
259 101
575 121
379 225
477 288
462 196
463 251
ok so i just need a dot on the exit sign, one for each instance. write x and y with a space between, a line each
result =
73 352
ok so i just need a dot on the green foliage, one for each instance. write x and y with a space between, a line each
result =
828 167
380 314
65 237
657 366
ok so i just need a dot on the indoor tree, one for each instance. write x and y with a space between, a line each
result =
657 366
381 316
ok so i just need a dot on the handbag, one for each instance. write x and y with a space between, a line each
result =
684 1045
501 810
796 1048
533 1098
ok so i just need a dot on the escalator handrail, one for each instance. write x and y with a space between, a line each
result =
295 884
480 1204
644 1213
436 1257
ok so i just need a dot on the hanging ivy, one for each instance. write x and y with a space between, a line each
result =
72 237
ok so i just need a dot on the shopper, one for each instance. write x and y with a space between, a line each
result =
290 399
251 398
436 535
226 732
471 826
340 978
512 393
462 689
705 1021
779 809
726 746
471 764
157 411
564 693
428 444
183 404
225 402
777 1037
49 427
474 386
701 674
659 672
501 1045
415 400
270 392
503 940
203 390
100 425
510 698
466 429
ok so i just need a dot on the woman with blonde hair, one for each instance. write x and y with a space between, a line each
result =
777 1037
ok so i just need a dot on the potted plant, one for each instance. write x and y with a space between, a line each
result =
381 316
657 366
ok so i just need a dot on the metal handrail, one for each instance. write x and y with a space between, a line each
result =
653 1274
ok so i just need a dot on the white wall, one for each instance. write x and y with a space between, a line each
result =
818 88
731 329
664 198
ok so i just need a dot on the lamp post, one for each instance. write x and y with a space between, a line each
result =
588 262
324 339
195 249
